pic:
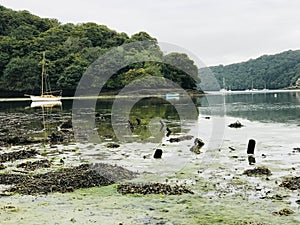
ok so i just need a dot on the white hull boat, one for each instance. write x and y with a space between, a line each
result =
46 94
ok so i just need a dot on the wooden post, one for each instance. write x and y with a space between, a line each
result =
157 154
251 146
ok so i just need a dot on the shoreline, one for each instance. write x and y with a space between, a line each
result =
191 93
106 96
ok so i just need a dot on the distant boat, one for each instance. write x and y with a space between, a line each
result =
46 94
172 96
224 90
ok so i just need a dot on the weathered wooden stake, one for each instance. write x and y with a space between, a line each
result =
168 131
157 154
251 146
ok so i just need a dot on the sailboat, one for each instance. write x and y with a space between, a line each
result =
46 94
223 90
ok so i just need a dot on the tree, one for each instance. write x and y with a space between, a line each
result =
270 71
181 69
72 48
22 74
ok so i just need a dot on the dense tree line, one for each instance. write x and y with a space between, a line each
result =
70 49
268 71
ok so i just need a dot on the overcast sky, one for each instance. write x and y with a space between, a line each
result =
216 31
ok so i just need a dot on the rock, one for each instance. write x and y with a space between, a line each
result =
236 124
2 166
157 154
35 165
277 197
297 149
10 179
56 137
181 138
195 149
153 188
292 183
250 223
66 125
258 171
66 179
17 140
112 145
284 212
10 208
198 144
12 156
251 159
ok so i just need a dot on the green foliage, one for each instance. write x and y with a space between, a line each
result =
18 74
184 72
72 48
268 71
11 20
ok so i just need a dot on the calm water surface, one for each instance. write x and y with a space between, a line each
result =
281 107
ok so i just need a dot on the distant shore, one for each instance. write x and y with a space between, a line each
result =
17 96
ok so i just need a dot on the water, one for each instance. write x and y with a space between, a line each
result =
223 195
151 116
268 117
276 107
282 107
269 107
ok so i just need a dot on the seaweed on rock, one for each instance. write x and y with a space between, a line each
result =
66 179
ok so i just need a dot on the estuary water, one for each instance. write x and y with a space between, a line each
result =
141 125
267 112
222 193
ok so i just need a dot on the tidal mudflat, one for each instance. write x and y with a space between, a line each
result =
115 182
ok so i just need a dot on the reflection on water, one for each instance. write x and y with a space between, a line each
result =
143 120
149 117
281 107
48 115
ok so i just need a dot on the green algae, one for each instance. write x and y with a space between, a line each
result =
100 204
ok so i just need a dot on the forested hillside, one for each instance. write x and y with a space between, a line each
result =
70 49
268 71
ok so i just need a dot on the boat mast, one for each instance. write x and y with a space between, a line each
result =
43 72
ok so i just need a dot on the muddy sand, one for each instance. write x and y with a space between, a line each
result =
47 181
